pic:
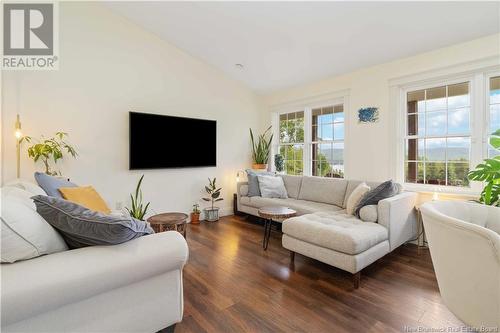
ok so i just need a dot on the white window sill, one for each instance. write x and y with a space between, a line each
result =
439 189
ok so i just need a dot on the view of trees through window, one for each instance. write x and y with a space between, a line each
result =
326 140
438 136
291 142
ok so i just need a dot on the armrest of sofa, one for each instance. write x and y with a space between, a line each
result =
399 216
242 189
70 276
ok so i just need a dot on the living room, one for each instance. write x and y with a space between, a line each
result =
250 166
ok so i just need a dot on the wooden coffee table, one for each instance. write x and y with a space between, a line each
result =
276 214
169 221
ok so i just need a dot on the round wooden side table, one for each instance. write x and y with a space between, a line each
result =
169 221
270 214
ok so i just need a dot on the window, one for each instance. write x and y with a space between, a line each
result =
328 141
311 139
438 135
494 116
291 142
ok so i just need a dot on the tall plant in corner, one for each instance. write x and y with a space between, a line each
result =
261 148
49 149
489 172
138 210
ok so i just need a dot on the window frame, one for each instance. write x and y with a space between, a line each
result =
478 122
279 144
333 140
487 121
444 136
307 105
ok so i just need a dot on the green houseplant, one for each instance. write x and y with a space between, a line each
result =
261 148
279 163
49 149
137 210
212 213
489 172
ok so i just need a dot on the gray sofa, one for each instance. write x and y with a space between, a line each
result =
322 230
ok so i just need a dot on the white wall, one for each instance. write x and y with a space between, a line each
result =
108 67
369 148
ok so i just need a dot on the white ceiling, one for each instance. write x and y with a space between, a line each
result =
282 44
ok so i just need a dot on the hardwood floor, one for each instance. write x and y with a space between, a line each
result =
232 285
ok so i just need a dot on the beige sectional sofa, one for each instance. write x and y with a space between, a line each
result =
322 230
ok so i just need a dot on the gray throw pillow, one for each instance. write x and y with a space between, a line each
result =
82 227
52 184
253 181
383 191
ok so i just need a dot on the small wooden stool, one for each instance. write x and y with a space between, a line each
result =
169 221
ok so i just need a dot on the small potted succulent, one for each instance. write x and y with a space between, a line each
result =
195 214
212 213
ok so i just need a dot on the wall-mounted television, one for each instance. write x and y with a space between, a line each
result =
159 141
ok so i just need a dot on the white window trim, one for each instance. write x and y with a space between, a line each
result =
487 76
477 73
307 105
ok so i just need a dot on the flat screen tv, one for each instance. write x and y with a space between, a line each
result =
158 141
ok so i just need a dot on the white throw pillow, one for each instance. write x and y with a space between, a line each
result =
25 234
369 213
272 187
355 197
25 185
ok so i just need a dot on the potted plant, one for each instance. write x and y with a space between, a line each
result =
489 172
47 149
212 213
138 210
195 214
261 149
279 163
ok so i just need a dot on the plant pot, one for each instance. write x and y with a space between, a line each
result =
211 214
195 218
259 166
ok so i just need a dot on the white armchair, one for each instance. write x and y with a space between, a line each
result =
464 242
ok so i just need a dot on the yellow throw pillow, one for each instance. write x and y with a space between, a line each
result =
86 196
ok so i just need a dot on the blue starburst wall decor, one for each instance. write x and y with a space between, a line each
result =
368 115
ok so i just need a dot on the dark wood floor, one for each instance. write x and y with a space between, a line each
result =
232 285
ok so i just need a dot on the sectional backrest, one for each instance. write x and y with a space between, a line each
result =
326 190
292 185
333 191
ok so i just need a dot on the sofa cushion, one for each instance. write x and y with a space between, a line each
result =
383 191
369 213
52 184
292 185
352 184
330 191
85 196
336 231
25 185
244 190
301 206
355 197
272 187
82 227
25 234
253 181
